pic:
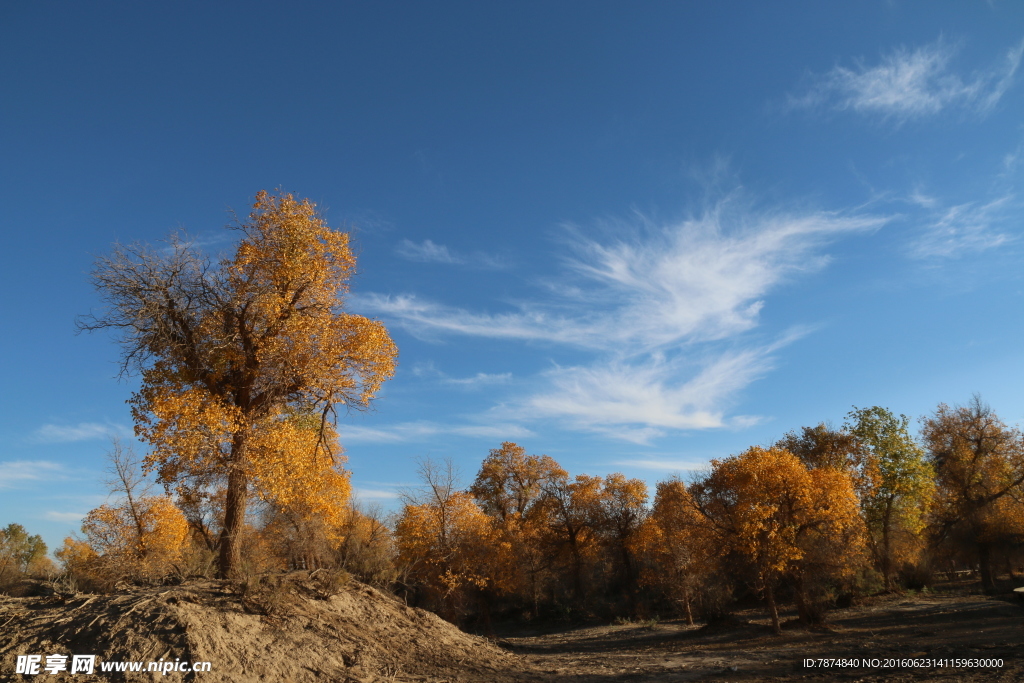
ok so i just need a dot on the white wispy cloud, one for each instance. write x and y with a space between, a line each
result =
641 300
14 473
1012 161
425 318
965 228
423 430
55 516
662 465
396 433
83 431
429 252
911 83
923 200
495 431
426 252
375 494
642 399
479 379
429 371
698 280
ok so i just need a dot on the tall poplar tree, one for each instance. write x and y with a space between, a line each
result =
239 356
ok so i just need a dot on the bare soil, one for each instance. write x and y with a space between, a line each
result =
893 628
291 631
298 630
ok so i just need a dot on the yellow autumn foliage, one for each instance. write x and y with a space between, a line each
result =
765 509
231 353
447 546
141 540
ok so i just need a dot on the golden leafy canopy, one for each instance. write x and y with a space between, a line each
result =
142 540
244 360
767 507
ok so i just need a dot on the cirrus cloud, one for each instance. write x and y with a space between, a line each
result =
640 301
910 84
15 473
83 431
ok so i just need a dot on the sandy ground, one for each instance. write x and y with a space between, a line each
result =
298 631
294 631
888 630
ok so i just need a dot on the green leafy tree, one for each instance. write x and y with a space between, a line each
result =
895 507
20 553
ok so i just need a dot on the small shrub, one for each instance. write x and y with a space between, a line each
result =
329 582
265 595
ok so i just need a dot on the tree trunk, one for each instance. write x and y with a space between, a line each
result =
628 575
887 546
807 608
803 610
776 627
485 614
985 565
234 514
689 611
577 570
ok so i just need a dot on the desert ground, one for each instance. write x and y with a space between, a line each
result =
305 630
915 627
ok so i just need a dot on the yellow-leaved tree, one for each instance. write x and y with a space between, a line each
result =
138 536
231 351
979 480
510 488
445 541
575 507
781 521
141 540
620 514
678 545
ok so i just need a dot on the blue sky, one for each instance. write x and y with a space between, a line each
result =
632 236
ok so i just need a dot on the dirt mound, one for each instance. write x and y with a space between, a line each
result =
284 631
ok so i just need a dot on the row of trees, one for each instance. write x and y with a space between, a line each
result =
823 512
144 536
521 524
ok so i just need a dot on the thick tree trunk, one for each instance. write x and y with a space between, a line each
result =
234 513
628 574
485 614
